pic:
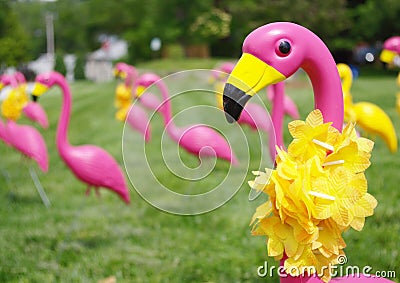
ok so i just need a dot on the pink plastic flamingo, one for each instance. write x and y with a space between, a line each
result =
391 56
271 54
391 49
3 135
255 116
24 138
137 118
195 139
32 110
90 164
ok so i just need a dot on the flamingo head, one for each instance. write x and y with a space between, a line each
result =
19 76
391 48
120 70
144 81
271 53
7 79
44 81
125 71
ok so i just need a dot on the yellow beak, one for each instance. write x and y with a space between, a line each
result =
387 56
39 89
251 74
139 91
248 77
1 85
119 74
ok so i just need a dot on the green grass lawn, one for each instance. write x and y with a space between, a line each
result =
87 239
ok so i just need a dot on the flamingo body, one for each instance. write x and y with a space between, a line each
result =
204 141
29 142
96 167
375 121
90 164
137 120
35 112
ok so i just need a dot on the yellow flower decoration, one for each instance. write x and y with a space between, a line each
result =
12 106
317 190
123 96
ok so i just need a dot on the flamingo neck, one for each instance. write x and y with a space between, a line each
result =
278 112
62 129
166 110
13 82
325 80
131 75
346 83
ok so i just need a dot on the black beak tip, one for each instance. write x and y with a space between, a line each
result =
232 109
34 97
234 100
229 118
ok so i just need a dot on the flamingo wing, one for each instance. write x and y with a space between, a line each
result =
36 113
198 138
96 167
29 142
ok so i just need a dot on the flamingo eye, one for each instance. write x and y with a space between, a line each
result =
283 48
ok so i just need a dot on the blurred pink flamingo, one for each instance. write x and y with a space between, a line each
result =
390 55
24 138
289 107
32 110
196 139
90 164
137 118
3 135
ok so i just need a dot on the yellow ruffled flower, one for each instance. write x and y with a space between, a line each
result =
317 190
123 96
12 106
122 113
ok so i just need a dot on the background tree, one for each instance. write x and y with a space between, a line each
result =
13 39
79 23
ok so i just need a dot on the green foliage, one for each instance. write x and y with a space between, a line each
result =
79 71
211 25
13 39
376 20
223 24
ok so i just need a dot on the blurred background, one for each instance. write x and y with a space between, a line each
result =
134 31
